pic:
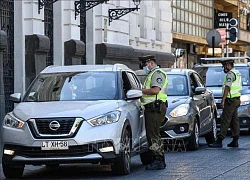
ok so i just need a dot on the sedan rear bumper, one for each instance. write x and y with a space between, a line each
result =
243 114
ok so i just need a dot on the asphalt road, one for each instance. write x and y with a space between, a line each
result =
205 163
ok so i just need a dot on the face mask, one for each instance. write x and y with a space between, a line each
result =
146 70
225 70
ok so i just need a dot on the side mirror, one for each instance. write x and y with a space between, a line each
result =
16 97
200 90
134 94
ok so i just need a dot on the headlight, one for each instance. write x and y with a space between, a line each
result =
180 110
108 118
11 121
244 99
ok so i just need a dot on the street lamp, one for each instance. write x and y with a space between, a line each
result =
137 2
81 6
115 14
42 3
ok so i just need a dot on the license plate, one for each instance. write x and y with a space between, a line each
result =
54 145
217 100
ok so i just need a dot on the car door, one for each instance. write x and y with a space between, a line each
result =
136 111
201 102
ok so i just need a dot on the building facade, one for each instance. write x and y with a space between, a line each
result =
59 32
193 19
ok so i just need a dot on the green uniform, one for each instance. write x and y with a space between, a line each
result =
153 117
229 117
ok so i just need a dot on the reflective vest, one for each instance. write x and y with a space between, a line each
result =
147 85
236 85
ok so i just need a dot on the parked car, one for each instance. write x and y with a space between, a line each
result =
76 114
191 111
213 75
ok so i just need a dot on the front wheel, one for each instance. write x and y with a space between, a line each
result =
193 142
212 136
122 164
11 171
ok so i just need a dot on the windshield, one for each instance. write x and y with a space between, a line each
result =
215 76
177 85
75 86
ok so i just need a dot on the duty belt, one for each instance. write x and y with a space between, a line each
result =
234 98
151 105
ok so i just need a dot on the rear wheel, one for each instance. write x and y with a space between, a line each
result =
146 158
193 142
13 171
212 136
122 164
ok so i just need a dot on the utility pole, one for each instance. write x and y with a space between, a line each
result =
227 38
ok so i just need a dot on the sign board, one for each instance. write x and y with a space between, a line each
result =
219 50
221 18
230 50
216 51
213 34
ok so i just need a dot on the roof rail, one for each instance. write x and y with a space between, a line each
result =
46 68
224 58
122 66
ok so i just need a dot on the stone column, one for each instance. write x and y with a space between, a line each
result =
90 36
37 47
58 44
3 44
73 52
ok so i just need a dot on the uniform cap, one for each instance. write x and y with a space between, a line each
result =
227 62
146 58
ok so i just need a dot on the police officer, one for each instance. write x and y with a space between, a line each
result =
154 100
230 103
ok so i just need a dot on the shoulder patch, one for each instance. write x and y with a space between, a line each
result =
159 80
229 80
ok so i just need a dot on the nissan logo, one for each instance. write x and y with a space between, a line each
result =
54 125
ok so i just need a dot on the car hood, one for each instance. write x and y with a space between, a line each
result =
84 109
174 101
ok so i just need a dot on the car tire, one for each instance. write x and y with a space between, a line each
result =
146 158
193 142
11 171
122 164
212 136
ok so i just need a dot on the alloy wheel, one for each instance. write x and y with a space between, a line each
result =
196 132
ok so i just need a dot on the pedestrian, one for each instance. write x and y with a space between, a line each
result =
230 103
154 100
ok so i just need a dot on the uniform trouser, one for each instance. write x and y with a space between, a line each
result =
229 118
153 121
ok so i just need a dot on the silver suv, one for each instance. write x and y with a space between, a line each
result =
76 114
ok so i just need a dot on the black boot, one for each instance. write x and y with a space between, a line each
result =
234 142
157 164
216 144
164 161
